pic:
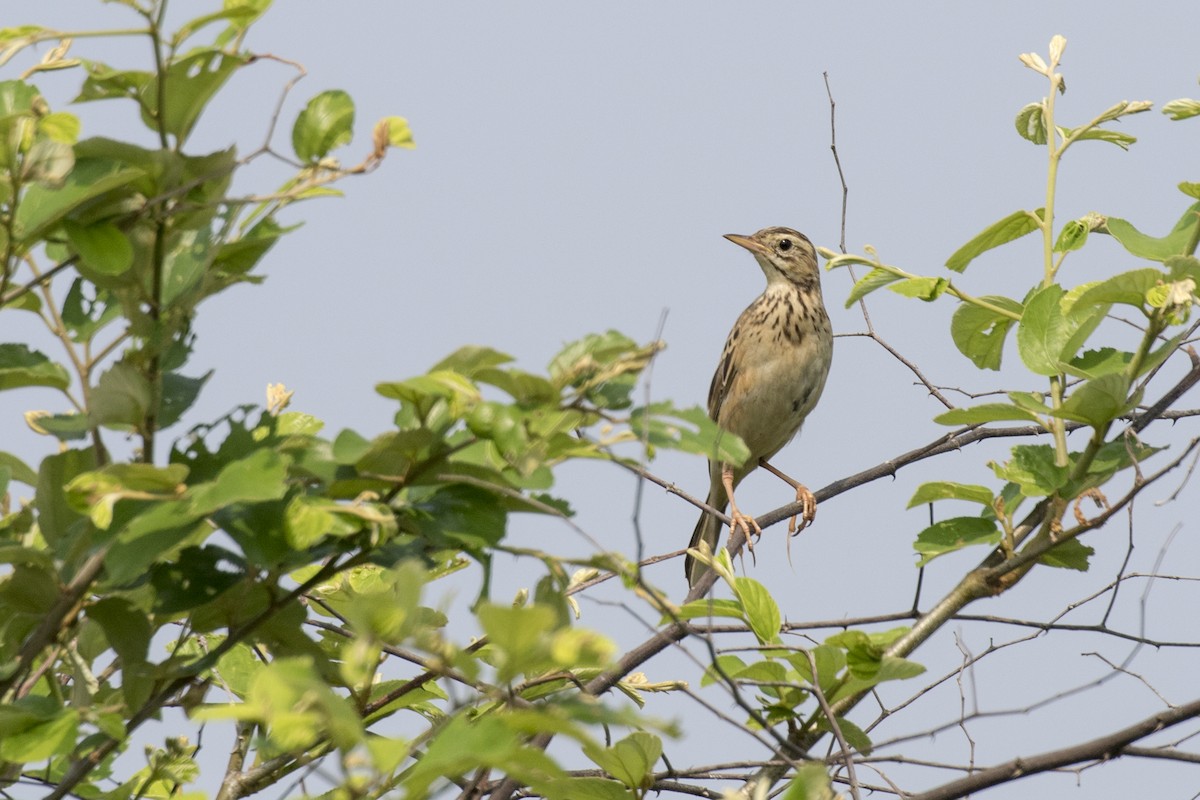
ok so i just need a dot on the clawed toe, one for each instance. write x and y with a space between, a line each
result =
808 510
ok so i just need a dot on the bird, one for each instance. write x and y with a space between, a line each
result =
771 374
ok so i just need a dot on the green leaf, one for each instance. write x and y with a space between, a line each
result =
469 516
1094 363
56 518
1032 468
1043 331
1143 246
1073 236
927 289
101 245
48 163
42 208
1127 288
88 308
1071 554
35 728
761 610
854 735
586 789
985 412
239 256
1098 401
631 760
1183 108
399 134
519 635
258 477
197 576
326 123
954 534
1121 140
472 359
192 80
121 398
1184 267
65 427
948 490
705 608
179 392
20 366
868 283
811 782
1012 227
659 426
18 470
979 333
125 626
1031 123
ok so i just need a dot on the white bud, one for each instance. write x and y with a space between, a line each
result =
1057 45
1034 62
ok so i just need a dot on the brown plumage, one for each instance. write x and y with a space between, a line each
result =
771 373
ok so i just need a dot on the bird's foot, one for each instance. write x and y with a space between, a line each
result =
749 526
808 510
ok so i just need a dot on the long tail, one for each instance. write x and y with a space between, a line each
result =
708 529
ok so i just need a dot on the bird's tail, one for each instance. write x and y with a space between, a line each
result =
708 529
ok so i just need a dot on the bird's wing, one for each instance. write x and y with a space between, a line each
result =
721 381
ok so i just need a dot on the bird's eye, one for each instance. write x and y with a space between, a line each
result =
785 245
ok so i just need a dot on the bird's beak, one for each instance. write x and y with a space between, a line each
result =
748 243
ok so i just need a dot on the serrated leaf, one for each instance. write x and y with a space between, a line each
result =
1033 469
1071 554
948 490
1094 363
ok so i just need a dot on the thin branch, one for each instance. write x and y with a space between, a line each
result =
1100 748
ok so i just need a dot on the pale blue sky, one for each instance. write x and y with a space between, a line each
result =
575 170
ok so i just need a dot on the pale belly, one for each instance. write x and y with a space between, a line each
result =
776 392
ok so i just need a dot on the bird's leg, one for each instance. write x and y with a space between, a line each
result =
803 496
736 518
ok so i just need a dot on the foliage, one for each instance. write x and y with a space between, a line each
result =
267 578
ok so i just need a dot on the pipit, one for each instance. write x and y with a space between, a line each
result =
772 372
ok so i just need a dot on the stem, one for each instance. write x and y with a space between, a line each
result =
951 289
1049 269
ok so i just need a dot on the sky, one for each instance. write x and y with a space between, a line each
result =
576 167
